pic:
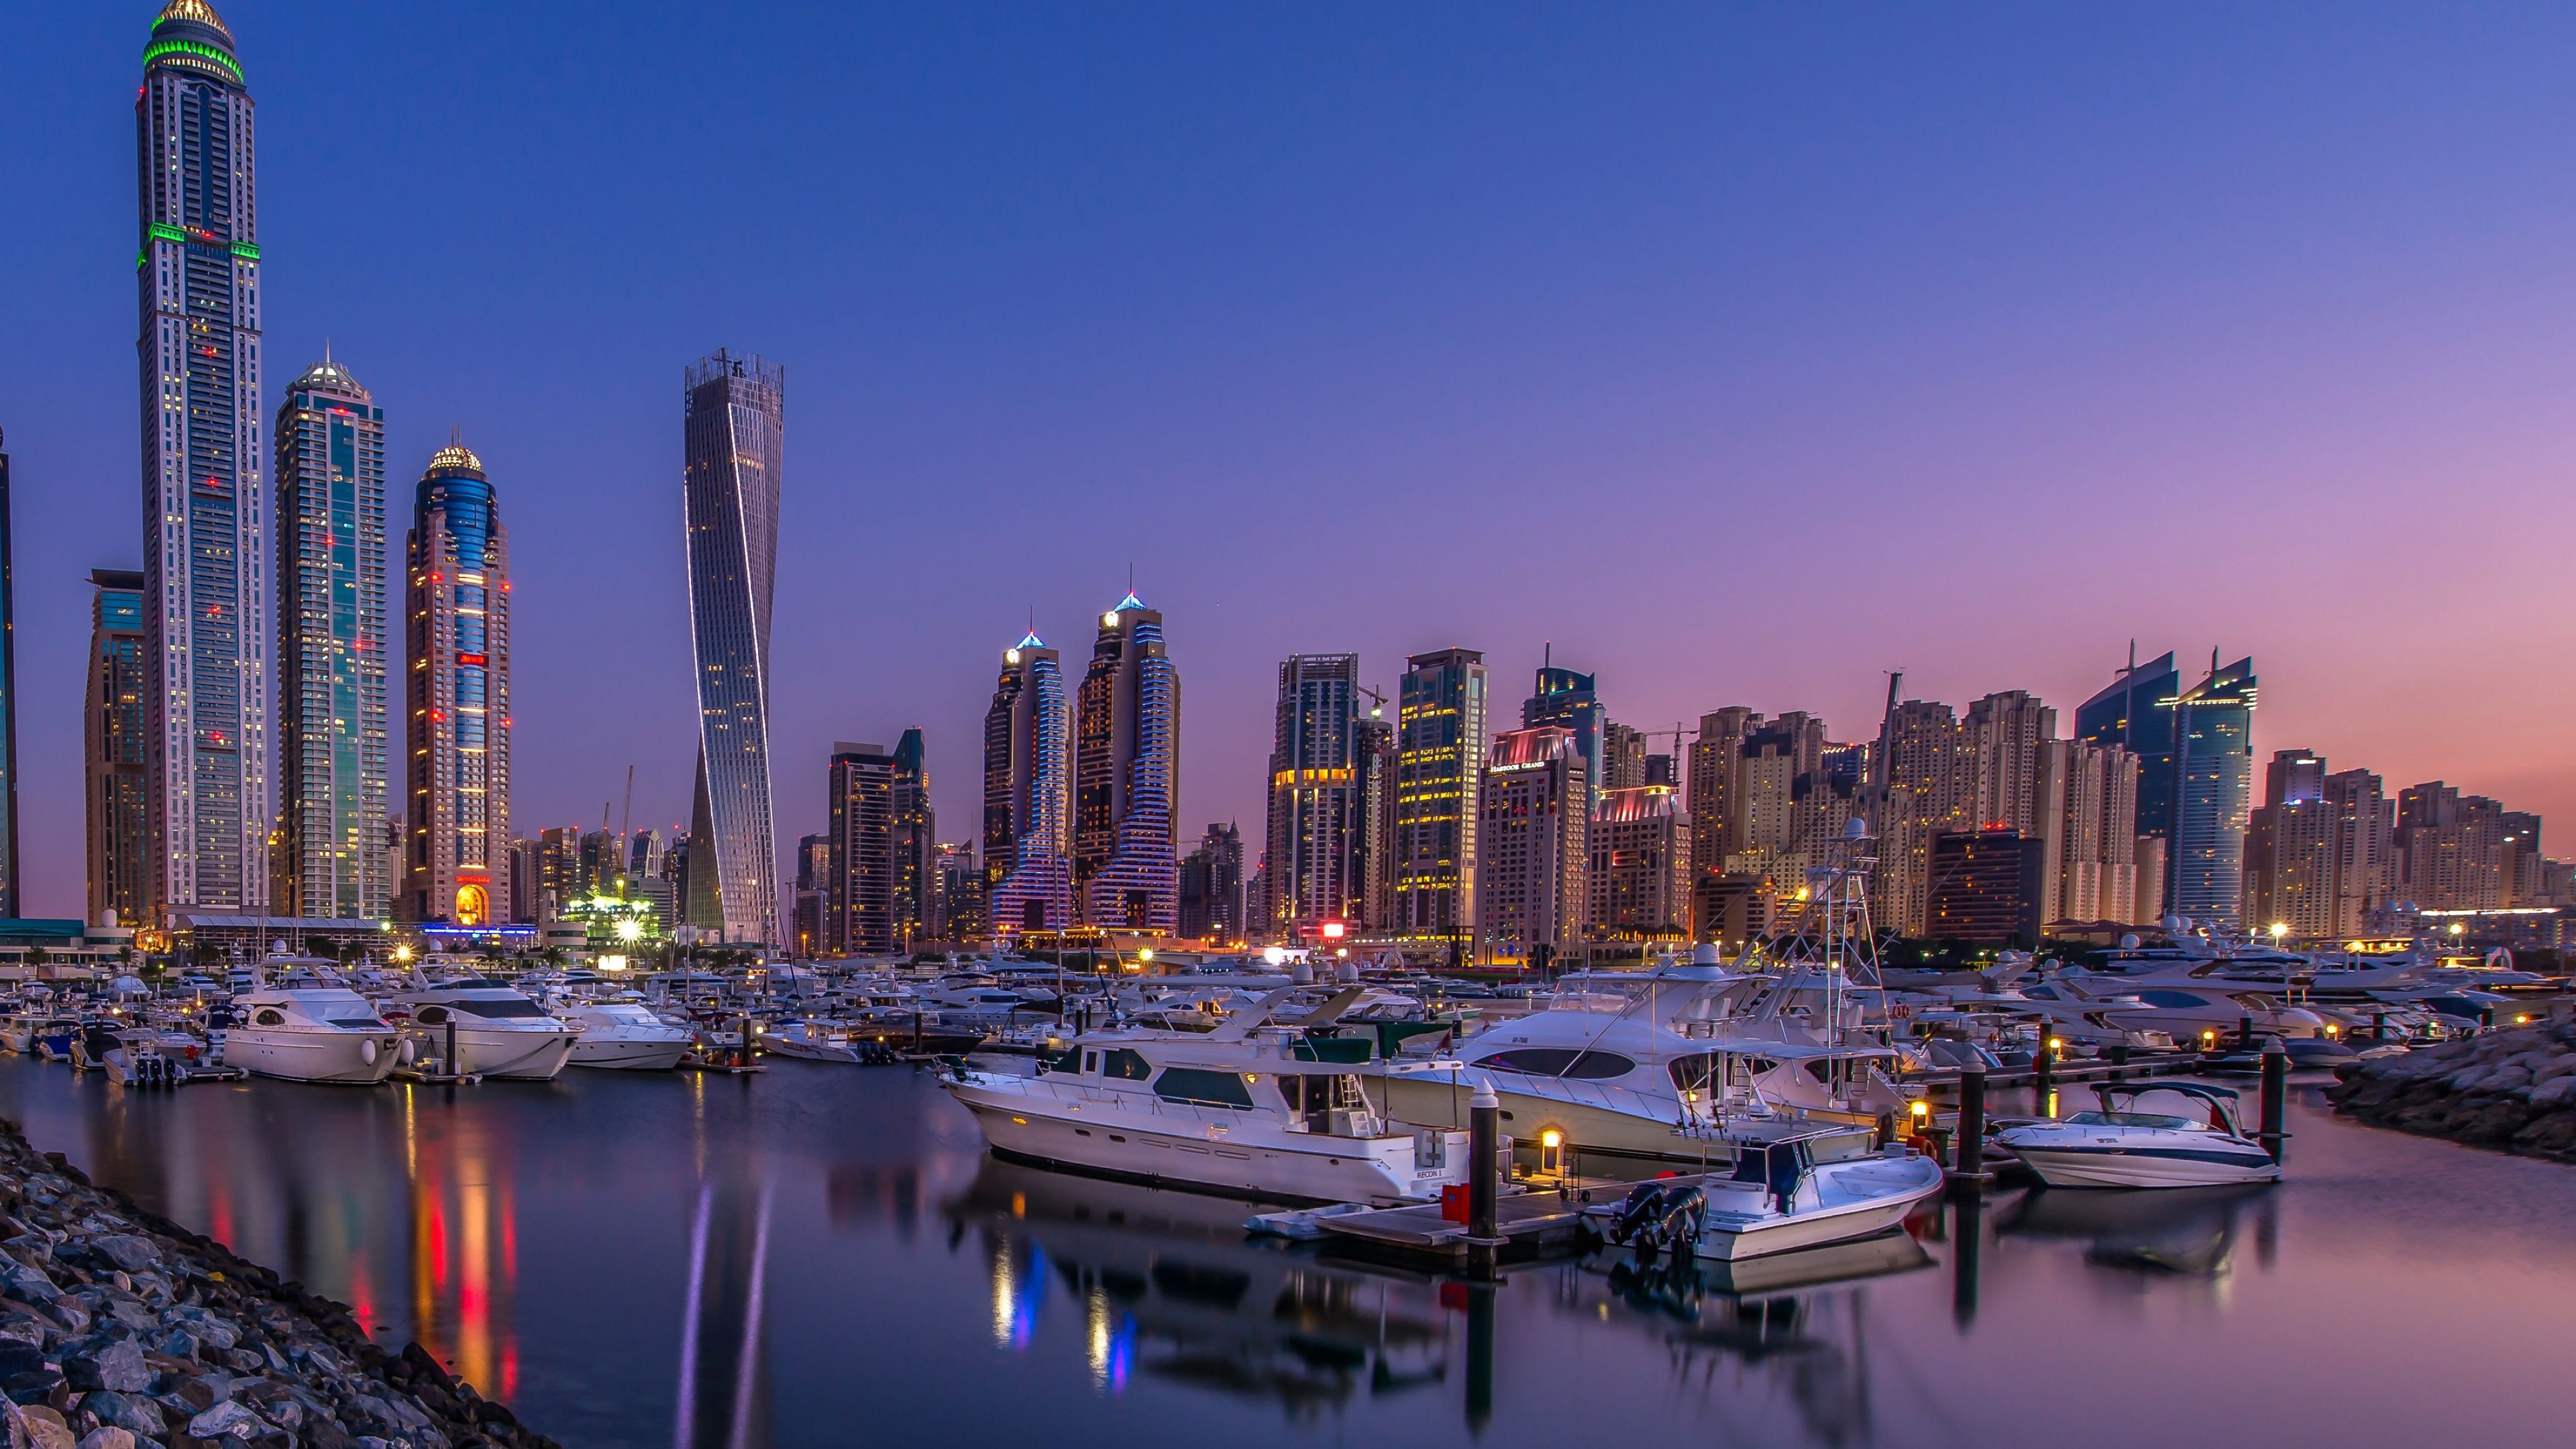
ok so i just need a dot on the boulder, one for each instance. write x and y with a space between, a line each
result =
45 1428
228 1419
131 1412
108 1436
116 1365
130 1252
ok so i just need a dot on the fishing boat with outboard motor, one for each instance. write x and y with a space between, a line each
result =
1798 1189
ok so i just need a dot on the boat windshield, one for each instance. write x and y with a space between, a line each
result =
357 1023
2156 1120
498 1010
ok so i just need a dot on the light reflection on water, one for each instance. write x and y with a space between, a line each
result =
819 1253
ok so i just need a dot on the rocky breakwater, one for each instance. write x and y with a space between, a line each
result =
2512 1090
119 1329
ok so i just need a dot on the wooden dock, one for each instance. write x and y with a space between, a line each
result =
1529 1222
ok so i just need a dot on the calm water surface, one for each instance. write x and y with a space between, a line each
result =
824 1253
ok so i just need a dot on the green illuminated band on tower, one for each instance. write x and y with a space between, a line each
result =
193 49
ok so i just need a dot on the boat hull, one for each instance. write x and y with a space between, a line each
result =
312 1056
513 1056
1430 1101
619 1054
2108 1167
1117 1144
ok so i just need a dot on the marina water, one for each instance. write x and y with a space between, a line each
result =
823 1255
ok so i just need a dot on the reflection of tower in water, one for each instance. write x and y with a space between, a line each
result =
724 1366
465 1249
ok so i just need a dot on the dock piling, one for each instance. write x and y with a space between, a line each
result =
1484 1150
2276 1098
2245 1033
2119 1061
447 1063
1972 1127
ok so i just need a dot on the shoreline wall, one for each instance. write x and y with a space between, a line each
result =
2512 1090
119 1329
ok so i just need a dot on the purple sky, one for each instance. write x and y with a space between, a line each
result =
1744 355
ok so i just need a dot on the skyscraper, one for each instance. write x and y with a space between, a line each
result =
204 537
1639 876
2290 849
813 868
1930 781
10 902
1028 871
113 753
331 643
2136 712
456 691
1623 757
1531 809
1715 757
1563 697
1440 758
1376 764
859 879
1126 776
2097 864
1315 807
2213 794
915 844
1212 902
733 438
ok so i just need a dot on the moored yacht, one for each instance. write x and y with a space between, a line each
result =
620 1034
1242 1110
498 1031
310 1034
1797 1189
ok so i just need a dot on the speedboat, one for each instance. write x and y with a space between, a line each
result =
310 1034
620 1034
1245 1110
1800 1189
498 1031
2120 1146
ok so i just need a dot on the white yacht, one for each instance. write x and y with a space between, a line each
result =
1800 1189
2199 1145
498 1032
310 1034
621 1034
1653 1066
1244 1109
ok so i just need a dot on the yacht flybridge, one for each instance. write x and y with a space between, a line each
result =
1249 1108
498 1031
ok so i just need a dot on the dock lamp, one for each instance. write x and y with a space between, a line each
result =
2056 1046
2279 929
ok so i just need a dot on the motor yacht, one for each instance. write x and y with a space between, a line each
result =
1798 1189
310 1034
814 1040
2198 1145
620 1034
1246 1109
498 1031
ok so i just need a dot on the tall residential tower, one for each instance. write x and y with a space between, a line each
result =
1028 874
1126 777
735 431
113 756
456 697
1440 764
204 602
1316 823
331 642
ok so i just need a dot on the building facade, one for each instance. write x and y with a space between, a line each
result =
205 604
1530 832
1563 697
2213 795
1316 817
1028 866
916 844
331 646
1640 871
1440 760
2136 712
734 435
456 698
1126 777
1929 782
114 758
2097 842
1212 895
1986 887
1376 763
859 899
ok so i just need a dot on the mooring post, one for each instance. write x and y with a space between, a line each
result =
450 1062
2119 1060
2276 1098
1484 1150
2039 1063
2379 1026
916 1031
1971 1154
2245 1033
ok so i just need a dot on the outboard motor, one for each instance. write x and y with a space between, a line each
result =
1658 1215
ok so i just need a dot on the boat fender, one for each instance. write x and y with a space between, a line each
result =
367 1051
403 1053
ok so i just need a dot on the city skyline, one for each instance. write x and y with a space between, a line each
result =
593 525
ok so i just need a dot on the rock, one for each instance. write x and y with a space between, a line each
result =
2511 1076
141 1416
28 1283
179 1343
2558 1091
35 1386
117 1365
228 1418
46 1429
129 1252
108 1437
206 1390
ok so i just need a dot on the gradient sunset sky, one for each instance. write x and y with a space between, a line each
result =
1744 352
